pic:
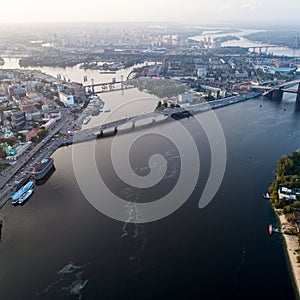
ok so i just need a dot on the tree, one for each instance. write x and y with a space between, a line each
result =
209 97
158 105
287 209
11 140
296 204
2 153
42 133
22 137
35 139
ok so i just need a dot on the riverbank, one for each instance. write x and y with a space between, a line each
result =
291 245
284 197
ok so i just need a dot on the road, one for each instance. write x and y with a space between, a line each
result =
26 162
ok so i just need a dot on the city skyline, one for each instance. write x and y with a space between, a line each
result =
191 11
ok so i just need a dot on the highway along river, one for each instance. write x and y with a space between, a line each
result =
58 246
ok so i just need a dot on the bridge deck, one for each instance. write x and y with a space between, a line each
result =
102 84
89 134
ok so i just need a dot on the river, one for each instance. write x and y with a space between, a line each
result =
243 42
73 73
58 246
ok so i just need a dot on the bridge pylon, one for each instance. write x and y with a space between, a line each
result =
298 96
276 95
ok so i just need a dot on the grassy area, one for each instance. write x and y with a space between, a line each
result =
160 87
3 166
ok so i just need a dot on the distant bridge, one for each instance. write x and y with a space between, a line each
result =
260 49
106 86
276 92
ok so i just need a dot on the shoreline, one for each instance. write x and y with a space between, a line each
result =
291 245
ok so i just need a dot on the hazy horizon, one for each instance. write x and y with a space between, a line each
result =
189 11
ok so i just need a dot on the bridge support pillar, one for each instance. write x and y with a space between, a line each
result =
298 95
133 124
276 95
116 129
297 104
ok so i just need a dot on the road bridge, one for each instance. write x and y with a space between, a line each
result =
260 49
276 92
105 86
157 115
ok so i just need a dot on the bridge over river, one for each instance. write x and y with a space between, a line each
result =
157 115
276 92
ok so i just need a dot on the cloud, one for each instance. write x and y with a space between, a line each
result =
225 7
200 11
253 5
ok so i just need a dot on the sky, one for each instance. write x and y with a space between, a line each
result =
186 11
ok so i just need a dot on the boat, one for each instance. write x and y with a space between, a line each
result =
267 196
87 119
107 110
277 230
15 201
42 168
25 196
15 197
270 229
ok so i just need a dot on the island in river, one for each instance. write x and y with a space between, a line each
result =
285 196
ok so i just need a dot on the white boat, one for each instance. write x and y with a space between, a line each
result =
277 230
25 196
267 196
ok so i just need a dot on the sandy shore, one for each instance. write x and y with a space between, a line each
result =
292 245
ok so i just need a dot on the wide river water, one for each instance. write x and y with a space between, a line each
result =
73 73
244 42
58 246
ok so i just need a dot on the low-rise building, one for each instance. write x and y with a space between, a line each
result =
288 194
27 106
68 100
201 72
186 97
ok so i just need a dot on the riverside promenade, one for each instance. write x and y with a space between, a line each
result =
43 148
